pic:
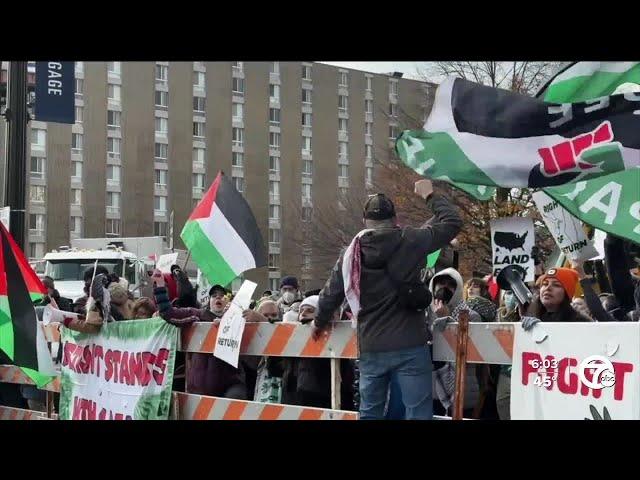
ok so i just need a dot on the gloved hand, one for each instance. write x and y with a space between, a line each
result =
529 322
441 323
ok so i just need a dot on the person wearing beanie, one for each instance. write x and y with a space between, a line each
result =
557 287
289 294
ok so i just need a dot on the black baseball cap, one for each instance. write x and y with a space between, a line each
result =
218 287
379 207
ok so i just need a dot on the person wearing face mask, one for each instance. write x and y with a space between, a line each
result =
447 287
508 312
306 381
206 374
289 294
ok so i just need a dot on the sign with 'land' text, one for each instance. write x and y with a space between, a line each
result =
512 241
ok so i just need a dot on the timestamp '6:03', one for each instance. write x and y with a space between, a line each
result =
546 363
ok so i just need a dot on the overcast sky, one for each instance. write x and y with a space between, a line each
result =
408 68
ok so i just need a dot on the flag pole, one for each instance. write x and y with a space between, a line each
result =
184 267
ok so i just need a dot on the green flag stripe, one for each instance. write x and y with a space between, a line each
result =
206 256
582 88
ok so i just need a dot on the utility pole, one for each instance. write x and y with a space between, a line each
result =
16 148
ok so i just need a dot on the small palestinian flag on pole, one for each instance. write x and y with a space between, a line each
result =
21 337
222 234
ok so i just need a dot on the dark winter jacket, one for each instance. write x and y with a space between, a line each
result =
383 325
206 374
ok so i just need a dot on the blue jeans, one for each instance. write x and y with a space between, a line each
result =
411 367
395 408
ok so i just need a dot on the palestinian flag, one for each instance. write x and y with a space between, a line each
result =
222 234
610 202
21 337
581 81
485 136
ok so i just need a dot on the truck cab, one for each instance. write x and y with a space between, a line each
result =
67 267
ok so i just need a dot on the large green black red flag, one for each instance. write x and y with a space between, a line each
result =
21 337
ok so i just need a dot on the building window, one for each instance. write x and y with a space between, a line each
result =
76 197
76 170
162 98
274 235
79 114
274 261
37 167
198 129
162 125
274 115
368 83
393 110
367 128
113 226
393 131
162 150
160 204
76 141
307 167
198 156
237 111
113 173
113 145
368 106
160 229
343 103
237 66
238 182
114 67
343 171
199 104
113 200
113 118
114 92
80 67
36 250
79 86
306 191
306 96
76 225
307 213
274 68
342 125
369 175
38 137
274 212
237 135
237 159
274 92
274 139
343 79
274 188
274 164
368 151
343 149
198 79
393 88
161 178
238 85
36 224
306 145
306 119
198 181
306 72
162 73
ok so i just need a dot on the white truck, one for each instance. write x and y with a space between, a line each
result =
129 257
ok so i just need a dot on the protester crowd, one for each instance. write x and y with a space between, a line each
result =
394 376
